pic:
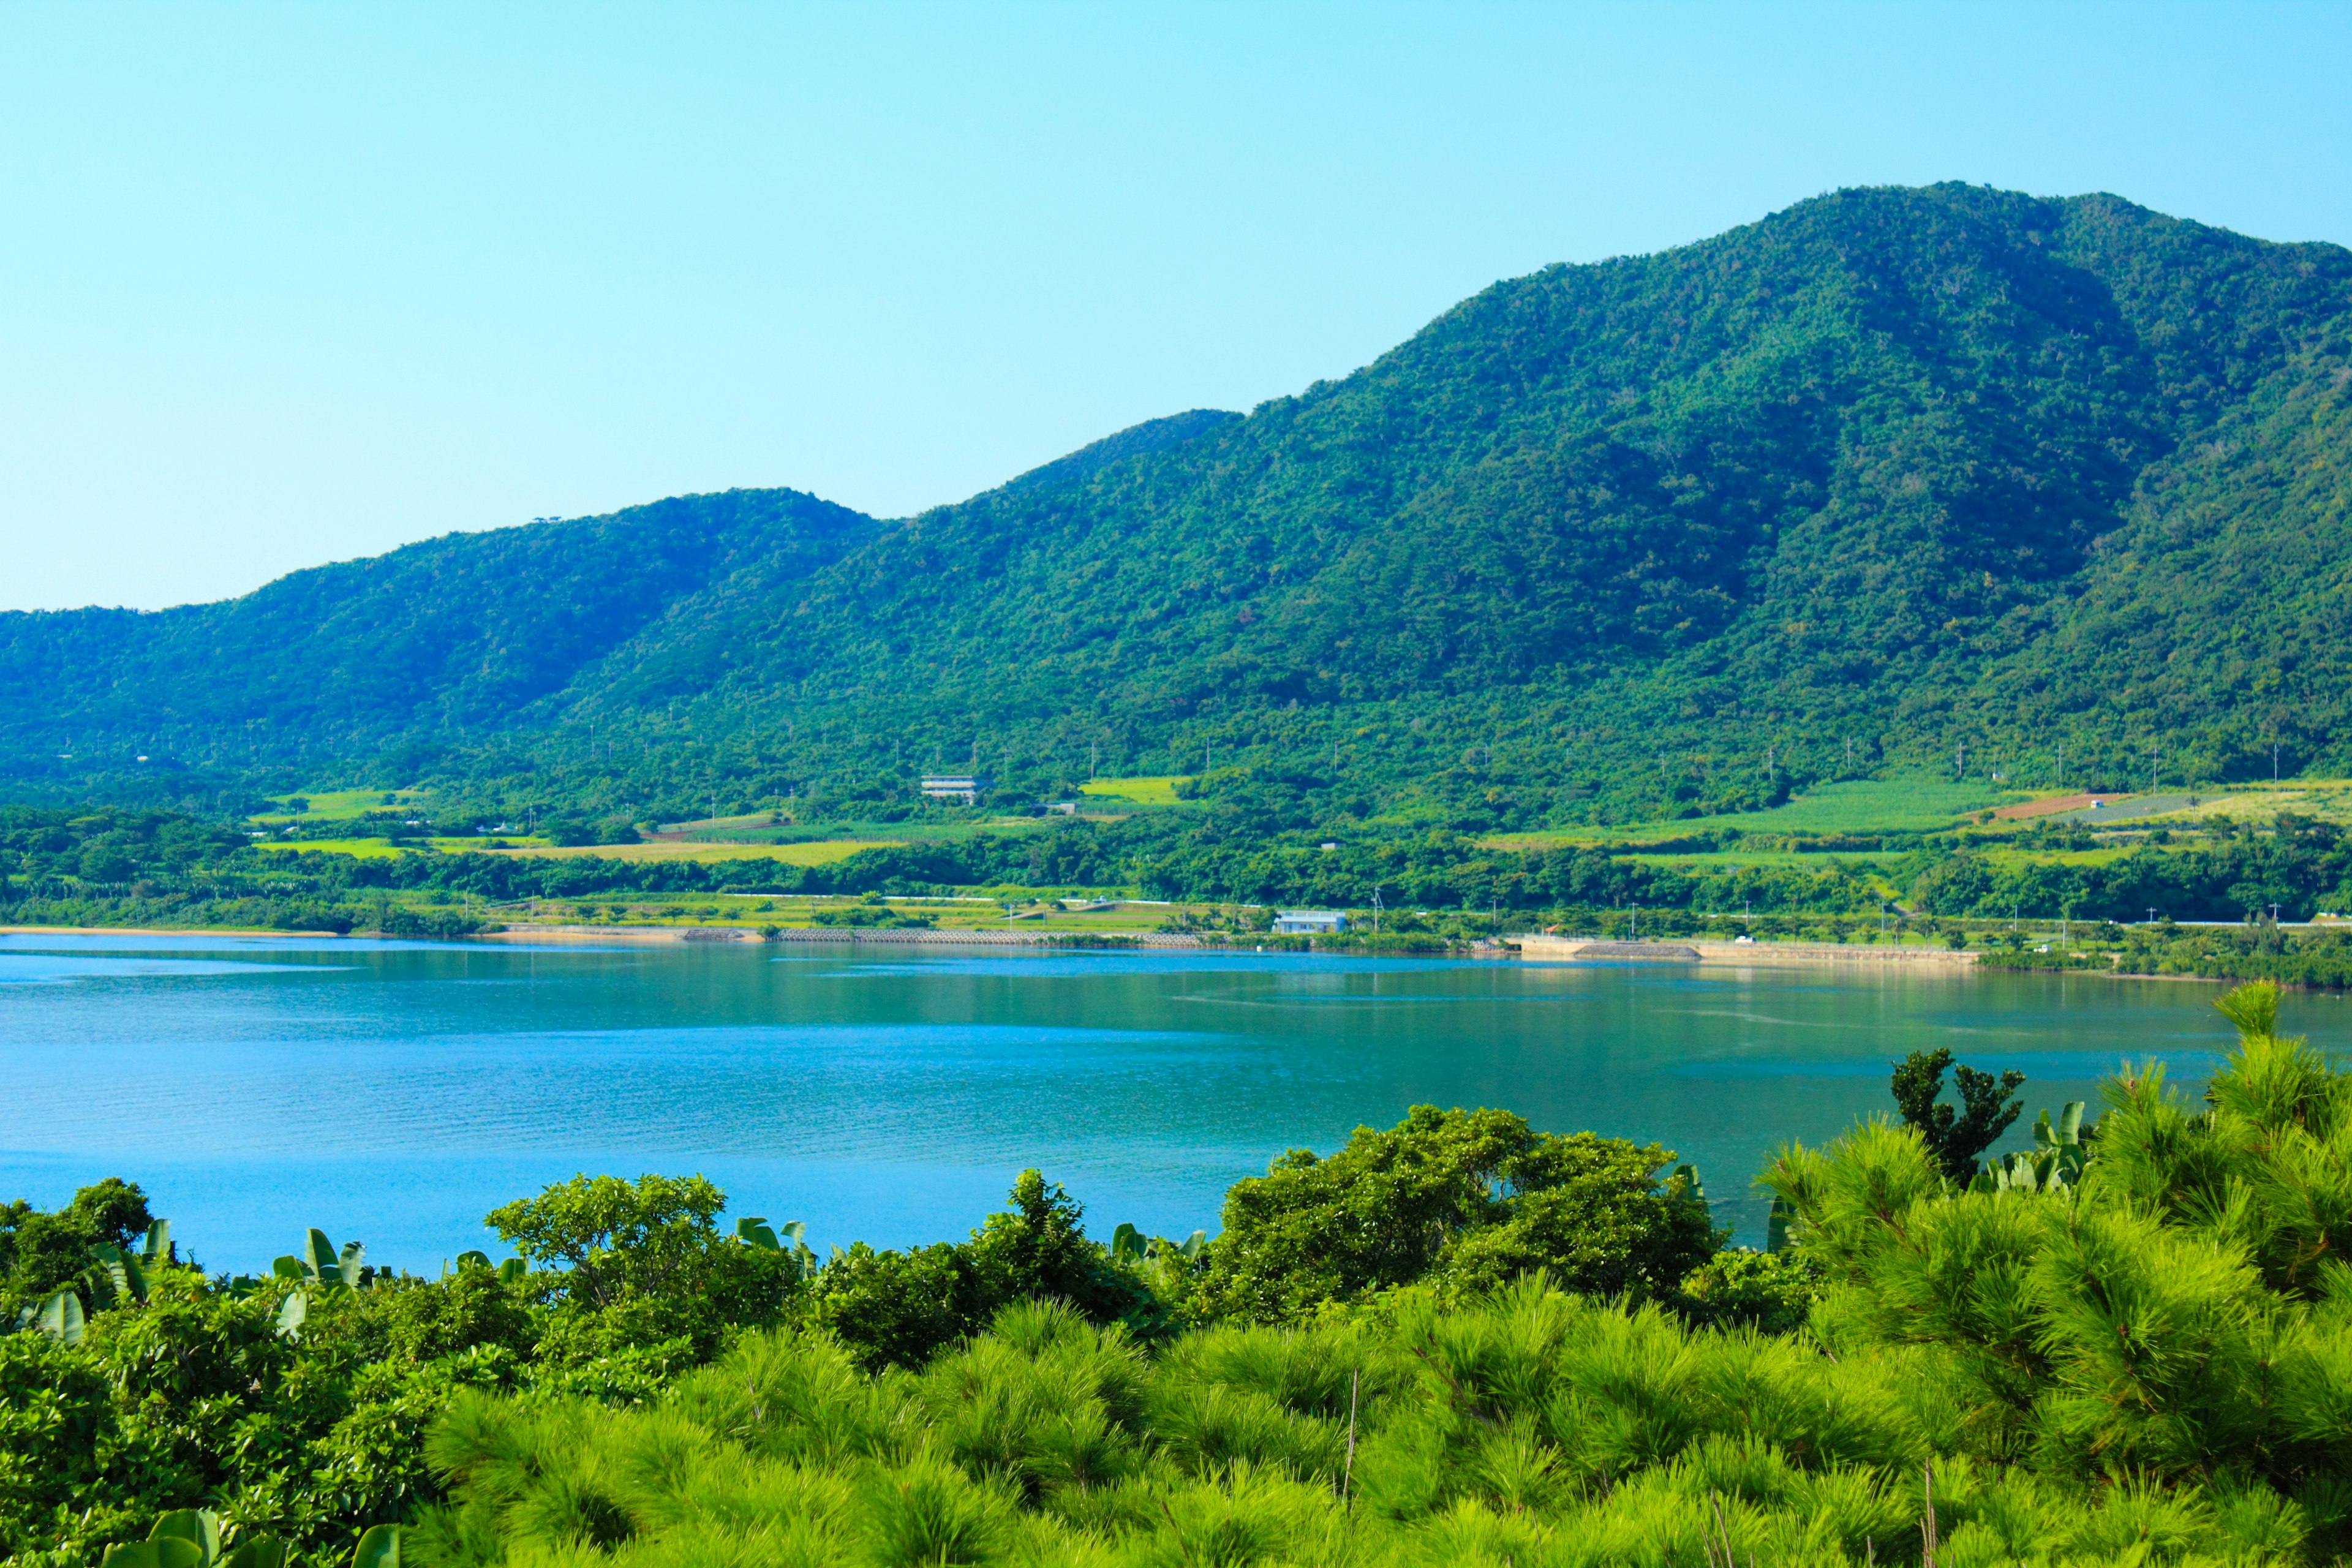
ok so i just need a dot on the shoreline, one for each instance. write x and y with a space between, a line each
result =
1531 949
1669 950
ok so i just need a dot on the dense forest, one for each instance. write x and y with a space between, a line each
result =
1890 473
1456 1340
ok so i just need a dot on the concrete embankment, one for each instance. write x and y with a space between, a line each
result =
1585 949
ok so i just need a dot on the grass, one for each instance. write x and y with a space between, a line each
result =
1854 805
1741 859
360 848
2328 799
916 831
2011 859
1159 789
749 912
344 805
821 852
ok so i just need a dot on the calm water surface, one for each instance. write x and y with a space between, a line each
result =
392 1093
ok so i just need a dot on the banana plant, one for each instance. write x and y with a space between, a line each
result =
2063 1144
1692 1187
121 1270
511 1271
1776 1227
2055 1161
320 1265
1133 1247
114 1275
753 1230
378 1548
191 1538
58 1315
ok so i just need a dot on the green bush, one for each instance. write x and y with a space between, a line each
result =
1475 1197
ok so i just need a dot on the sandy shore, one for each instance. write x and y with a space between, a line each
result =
1762 954
164 931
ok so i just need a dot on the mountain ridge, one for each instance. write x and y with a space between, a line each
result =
1709 517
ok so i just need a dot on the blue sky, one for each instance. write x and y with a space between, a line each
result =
281 285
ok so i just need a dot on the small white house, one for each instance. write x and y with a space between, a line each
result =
1309 923
965 787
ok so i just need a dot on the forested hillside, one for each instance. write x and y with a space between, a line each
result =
1889 472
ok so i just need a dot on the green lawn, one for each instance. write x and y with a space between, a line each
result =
1737 860
1855 806
364 849
820 852
1160 790
344 805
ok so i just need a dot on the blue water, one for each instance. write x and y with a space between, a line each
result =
392 1093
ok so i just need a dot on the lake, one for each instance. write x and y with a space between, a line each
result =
392 1093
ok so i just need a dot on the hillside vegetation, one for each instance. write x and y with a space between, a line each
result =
1888 473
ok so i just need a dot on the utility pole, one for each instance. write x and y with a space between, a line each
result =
1094 758
1960 760
1376 911
2061 781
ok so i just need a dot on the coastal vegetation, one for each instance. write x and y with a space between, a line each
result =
1869 863
1455 1340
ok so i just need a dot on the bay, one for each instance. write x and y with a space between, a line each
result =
392 1093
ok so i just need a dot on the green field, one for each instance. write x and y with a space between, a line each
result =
1854 805
1158 790
363 849
344 804
813 852
915 831
1742 861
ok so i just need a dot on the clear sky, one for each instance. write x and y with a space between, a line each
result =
286 284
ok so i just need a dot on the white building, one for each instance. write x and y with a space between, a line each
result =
965 787
1309 923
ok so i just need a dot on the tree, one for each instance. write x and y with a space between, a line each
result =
643 1264
1474 1196
903 1307
39 1252
1955 1139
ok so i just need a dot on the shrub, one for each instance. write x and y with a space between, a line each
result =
1476 1197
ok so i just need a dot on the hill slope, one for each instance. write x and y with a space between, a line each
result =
1888 472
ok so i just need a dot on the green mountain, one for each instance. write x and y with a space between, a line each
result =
1889 473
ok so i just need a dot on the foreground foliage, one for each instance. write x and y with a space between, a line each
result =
2130 1343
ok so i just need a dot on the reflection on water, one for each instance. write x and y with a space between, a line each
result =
397 1091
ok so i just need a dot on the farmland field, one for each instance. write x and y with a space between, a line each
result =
344 804
1854 805
1159 789
818 852
363 848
